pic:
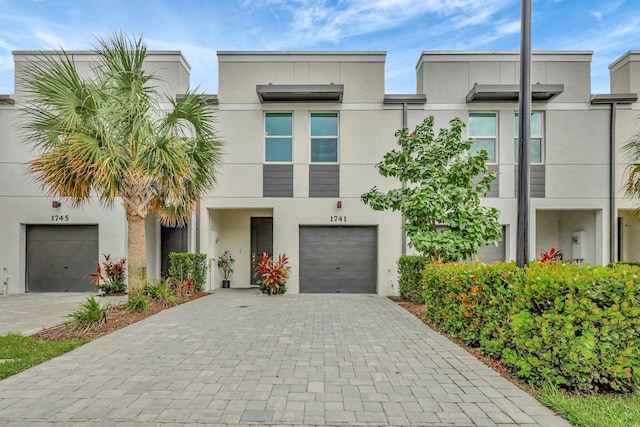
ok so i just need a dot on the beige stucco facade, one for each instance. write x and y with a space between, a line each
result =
571 200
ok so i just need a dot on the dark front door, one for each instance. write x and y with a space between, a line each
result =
172 240
261 240
59 257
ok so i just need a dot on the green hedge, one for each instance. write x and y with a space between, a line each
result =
184 265
635 263
411 281
575 327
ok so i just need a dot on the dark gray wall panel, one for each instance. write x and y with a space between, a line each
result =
277 180
338 259
60 256
324 180
537 181
494 190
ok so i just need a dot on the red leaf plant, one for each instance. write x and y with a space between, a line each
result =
272 273
552 255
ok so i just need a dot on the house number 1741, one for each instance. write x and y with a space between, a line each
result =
338 218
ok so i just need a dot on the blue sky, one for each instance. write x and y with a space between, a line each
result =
402 28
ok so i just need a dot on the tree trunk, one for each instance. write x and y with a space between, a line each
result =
137 248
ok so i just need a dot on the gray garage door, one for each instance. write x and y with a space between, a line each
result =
60 256
338 259
492 253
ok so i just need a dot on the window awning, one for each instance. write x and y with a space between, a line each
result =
405 99
300 93
614 98
510 93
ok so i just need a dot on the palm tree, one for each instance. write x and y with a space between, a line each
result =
106 135
632 149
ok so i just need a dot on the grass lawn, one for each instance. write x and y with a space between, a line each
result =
18 353
597 410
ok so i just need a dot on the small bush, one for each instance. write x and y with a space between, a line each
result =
188 265
138 301
182 287
89 315
571 326
272 274
110 275
113 288
410 277
162 292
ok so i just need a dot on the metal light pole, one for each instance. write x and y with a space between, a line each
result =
524 117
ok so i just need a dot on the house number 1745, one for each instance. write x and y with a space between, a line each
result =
338 218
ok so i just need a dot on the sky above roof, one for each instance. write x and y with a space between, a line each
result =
402 28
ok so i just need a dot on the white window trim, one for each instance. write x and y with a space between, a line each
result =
496 153
265 137
337 137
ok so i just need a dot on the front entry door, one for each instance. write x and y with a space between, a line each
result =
261 240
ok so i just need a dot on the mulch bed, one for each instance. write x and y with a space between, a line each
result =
117 316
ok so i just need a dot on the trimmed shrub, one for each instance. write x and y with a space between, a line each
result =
634 263
572 326
184 266
410 277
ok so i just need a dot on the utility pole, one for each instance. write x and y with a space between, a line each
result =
524 136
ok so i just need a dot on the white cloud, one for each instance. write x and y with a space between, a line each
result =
318 21
597 15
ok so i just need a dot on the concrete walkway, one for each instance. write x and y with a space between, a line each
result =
239 358
29 313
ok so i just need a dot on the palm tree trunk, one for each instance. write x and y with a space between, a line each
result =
137 248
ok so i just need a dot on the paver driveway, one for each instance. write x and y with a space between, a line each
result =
237 357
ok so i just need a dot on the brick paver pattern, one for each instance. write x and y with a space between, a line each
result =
240 358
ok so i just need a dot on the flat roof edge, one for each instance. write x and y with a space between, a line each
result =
623 59
301 52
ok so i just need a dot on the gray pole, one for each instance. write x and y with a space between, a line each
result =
522 240
613 237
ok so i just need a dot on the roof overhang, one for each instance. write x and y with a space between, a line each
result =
614 98
300 93
405 99
510 93
7 100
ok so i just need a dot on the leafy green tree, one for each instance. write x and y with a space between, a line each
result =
110 134
440 200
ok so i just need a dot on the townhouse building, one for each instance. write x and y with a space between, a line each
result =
302 133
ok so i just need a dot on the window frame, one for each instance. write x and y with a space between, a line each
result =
542 138
267 137
486 137
336 137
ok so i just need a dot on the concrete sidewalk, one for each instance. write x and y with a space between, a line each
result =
32 312
236 357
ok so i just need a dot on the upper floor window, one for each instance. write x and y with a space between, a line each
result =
324 137
278 137
535 141
483 130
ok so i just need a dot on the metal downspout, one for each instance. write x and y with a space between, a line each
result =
404 184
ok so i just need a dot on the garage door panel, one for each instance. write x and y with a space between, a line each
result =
492 253
60 256
338 259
